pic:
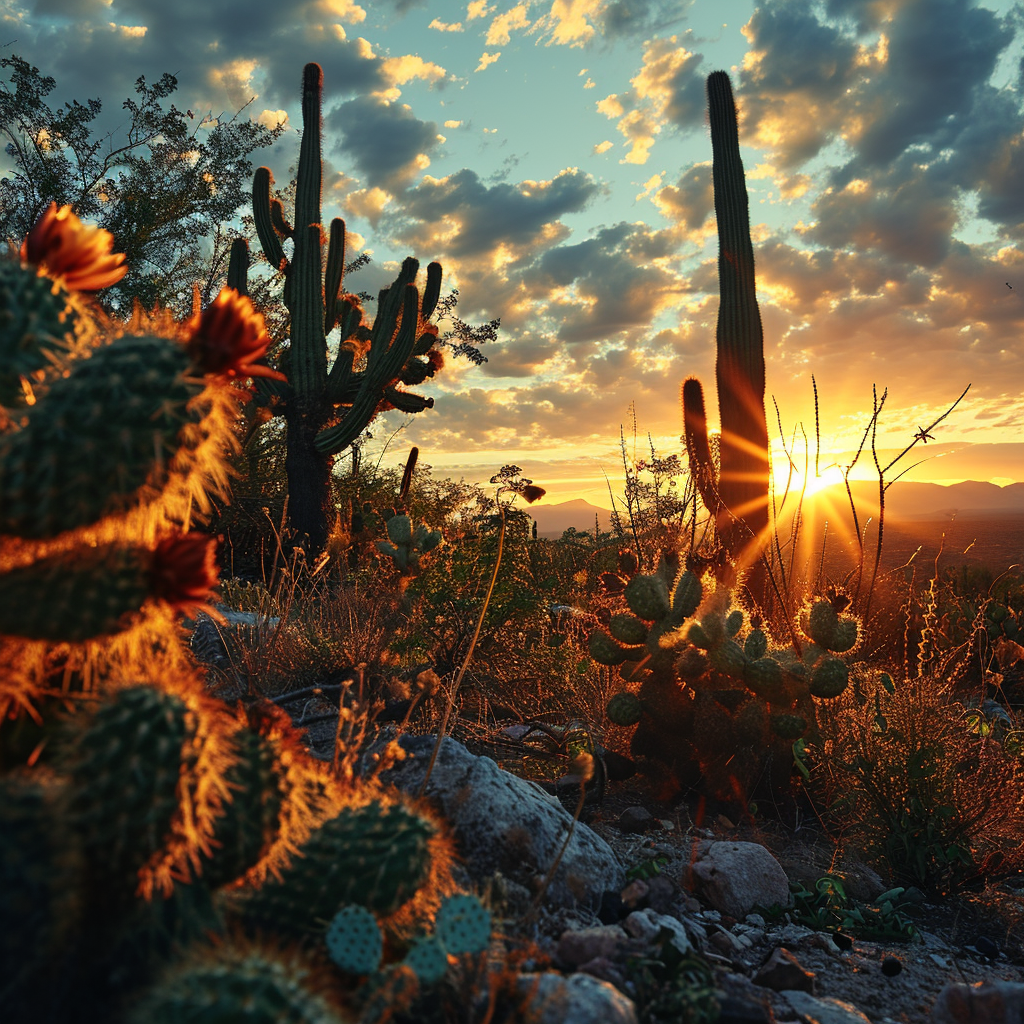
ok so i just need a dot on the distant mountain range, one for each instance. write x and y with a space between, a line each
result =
904 501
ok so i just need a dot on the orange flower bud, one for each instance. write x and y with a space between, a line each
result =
67 250
228 336
185 572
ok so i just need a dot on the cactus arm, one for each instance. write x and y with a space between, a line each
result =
739 370
277 218
261 184
432 292
238 266
340 377
383 365
698 451
334 275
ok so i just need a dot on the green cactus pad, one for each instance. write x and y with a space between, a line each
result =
756 644
734 622
376 856
89 593
789 727
830 678
604 650
37 326
428 959
822 622
463 925
624 709
713 625
764 677
251 820
687 595
102 434
728 657
698 637
847 634
124 770
400 530
234 983
354 940
647 597
628 629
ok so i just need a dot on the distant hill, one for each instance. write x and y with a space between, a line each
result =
908 501
553 520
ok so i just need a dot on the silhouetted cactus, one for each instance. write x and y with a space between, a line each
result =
737 494
326 410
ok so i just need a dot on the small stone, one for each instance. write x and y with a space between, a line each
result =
738 1010
637 819
647 924
576 999
891 966
661 893
579 947
783 971
725 942
822 940
605 969
986 946
755 921
940 961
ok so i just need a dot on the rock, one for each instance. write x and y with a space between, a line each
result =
994 1002
579 947
736 877
661 893
216 645
637 819
813 1010
605 969
782 971
576 999
507 824
737 1010
647 924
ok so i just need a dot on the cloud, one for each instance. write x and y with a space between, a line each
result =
477 9
486 60
446 26
386 142
368 203
569 22
501 27
603 147
473 218
668 89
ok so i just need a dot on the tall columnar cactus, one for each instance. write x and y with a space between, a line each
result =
326 410
738 493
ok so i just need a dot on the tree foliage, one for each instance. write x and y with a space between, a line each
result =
161 188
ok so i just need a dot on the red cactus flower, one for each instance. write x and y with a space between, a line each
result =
228 336
185 572
79 255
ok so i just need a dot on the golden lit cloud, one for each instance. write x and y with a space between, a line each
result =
569 22
453 124
445 26
477 9
130 31
272 118
340 10
603 147
498 33
409 67
486 60
367 203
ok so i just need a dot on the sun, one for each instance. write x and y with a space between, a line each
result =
826 477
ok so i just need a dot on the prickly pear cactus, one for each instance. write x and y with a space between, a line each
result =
719 704
406 544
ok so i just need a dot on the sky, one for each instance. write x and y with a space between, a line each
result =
555 157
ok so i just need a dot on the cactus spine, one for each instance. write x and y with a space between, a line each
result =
738 493
327 410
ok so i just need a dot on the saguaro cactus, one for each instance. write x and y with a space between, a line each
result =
738 493
327 410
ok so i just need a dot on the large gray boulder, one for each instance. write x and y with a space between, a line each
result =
737 877
507 824
576 999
